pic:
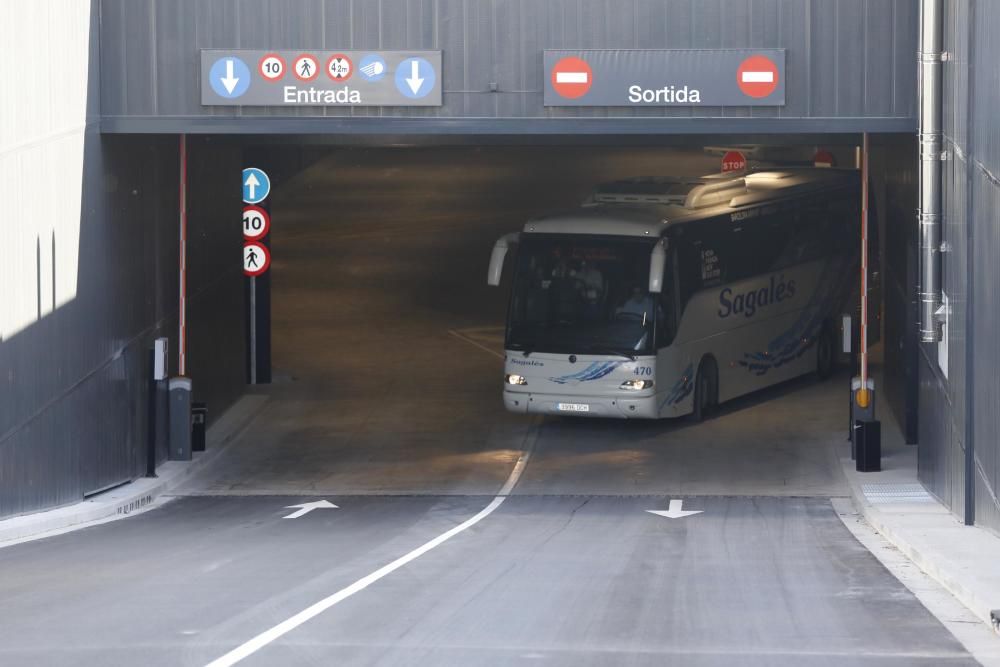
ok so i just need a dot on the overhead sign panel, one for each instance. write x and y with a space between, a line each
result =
665 77
283 78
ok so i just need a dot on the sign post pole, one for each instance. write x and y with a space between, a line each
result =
256 262
182 318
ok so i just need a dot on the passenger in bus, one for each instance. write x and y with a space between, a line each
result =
592 288
593 281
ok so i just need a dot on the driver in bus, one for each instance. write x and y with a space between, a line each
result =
637 304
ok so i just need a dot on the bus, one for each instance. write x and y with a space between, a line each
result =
663 297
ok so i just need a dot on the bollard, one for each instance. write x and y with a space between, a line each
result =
180 419
860 412
199 417
868 436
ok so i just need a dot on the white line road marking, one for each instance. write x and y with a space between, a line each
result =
472 342
263 639
528 446
757 77
571 77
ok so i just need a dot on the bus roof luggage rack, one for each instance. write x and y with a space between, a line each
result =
663 191
713 189
717 192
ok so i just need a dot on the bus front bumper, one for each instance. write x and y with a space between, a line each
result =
620 407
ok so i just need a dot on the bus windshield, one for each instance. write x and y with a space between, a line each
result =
583 295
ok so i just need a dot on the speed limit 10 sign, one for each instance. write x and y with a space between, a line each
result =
256 223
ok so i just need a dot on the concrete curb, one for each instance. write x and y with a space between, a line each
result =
954 577
140 493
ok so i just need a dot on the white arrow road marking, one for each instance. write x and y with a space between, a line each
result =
230 80
757 77
571 77
415 81
252 183
675 511
305 508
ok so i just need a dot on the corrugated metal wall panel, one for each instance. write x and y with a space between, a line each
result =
934 456
906 22
879 62
846 59
971 200
986 234
985 130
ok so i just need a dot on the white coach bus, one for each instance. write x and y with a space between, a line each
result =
665 297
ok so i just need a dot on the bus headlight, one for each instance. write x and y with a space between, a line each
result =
510 378
636 385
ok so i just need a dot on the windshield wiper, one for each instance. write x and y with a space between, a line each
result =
600 349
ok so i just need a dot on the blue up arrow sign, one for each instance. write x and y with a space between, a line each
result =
256 185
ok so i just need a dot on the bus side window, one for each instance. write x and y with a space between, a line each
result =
805 233
689 270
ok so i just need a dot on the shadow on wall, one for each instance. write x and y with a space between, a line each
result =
92 279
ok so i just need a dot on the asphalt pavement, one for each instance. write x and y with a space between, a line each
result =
463 535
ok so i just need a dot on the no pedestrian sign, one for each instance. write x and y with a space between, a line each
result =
282 78
256 258
665 77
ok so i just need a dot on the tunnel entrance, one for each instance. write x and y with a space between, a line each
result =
388 345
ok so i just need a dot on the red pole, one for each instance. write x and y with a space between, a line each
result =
863 394
182 327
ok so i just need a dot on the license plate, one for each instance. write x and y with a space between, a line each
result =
573 407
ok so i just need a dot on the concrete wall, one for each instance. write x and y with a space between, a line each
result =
959 397
851 64
88 270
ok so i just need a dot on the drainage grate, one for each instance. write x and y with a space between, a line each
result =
882 494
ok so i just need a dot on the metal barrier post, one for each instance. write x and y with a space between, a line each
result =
180 419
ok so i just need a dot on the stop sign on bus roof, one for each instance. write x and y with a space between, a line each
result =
733 161
823 158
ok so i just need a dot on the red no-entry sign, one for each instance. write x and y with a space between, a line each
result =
733 161
757 76
572 77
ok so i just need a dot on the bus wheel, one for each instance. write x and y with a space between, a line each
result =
826 355
706 389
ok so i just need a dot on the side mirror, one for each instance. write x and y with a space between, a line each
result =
497 256
657 261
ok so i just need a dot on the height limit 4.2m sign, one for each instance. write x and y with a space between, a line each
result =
665 77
